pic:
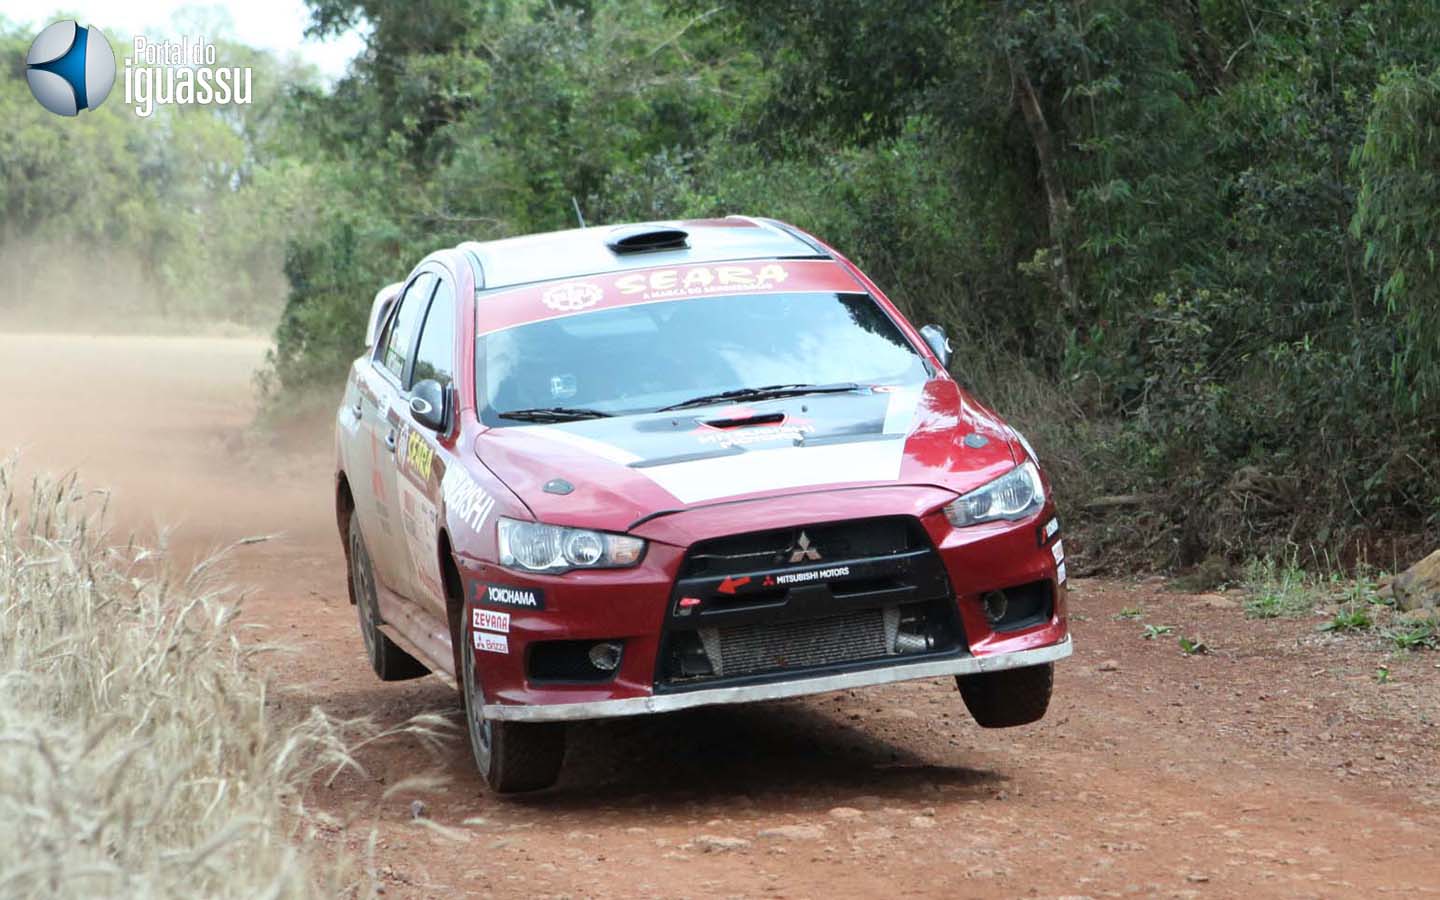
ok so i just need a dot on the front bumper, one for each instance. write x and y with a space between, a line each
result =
637 608
777 690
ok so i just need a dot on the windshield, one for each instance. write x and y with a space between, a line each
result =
646 356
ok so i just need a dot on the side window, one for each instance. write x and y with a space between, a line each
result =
401 333
435 358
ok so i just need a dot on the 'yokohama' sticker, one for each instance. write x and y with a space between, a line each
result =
502 595
491 643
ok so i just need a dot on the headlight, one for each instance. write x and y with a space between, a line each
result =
1013 495
537 547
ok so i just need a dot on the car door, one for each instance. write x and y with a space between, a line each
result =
391 366
419 462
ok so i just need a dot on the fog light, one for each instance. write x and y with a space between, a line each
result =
996 604
605 656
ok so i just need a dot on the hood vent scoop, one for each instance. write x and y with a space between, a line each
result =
645 238
738 421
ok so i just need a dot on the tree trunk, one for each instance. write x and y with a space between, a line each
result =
1058 203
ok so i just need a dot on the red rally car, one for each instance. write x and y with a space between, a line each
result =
615 471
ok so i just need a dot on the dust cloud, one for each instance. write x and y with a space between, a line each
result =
166 424
55 286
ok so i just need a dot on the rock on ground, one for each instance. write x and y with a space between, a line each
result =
794 832
1418 587
714 844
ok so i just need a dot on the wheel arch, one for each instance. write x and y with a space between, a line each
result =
454 587
344 512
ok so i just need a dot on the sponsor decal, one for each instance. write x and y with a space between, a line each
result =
1060 573
502 595
528 303
464 498
812 575
759 434
662 284
491 643
572 296
1048 531
1058 551
419 520
489 620
419 455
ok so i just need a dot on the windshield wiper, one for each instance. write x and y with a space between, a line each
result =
768 392
553 414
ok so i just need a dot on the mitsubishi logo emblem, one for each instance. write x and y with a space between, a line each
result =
802 550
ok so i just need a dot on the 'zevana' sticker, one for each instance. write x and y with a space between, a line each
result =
489 620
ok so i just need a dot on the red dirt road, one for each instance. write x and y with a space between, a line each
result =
1275 766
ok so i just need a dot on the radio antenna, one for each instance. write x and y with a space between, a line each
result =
578 214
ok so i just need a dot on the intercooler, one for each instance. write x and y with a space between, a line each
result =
763 647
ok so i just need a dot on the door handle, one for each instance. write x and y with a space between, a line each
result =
390 440
356 410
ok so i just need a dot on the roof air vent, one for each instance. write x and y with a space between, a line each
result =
644 238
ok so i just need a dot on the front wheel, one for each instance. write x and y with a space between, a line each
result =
1009 697
512 756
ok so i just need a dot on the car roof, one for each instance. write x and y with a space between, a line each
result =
587 251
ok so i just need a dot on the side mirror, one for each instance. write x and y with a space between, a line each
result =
935 336
427 405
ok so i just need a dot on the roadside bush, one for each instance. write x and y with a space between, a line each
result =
1188 248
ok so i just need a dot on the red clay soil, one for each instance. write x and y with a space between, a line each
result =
1277 765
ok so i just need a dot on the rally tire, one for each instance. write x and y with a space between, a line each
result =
1008 698
387 659
512 757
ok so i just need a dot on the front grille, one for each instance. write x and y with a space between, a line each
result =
833 541
749 649
741 608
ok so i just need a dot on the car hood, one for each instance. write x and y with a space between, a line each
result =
613 473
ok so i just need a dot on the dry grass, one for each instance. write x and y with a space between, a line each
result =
138 757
